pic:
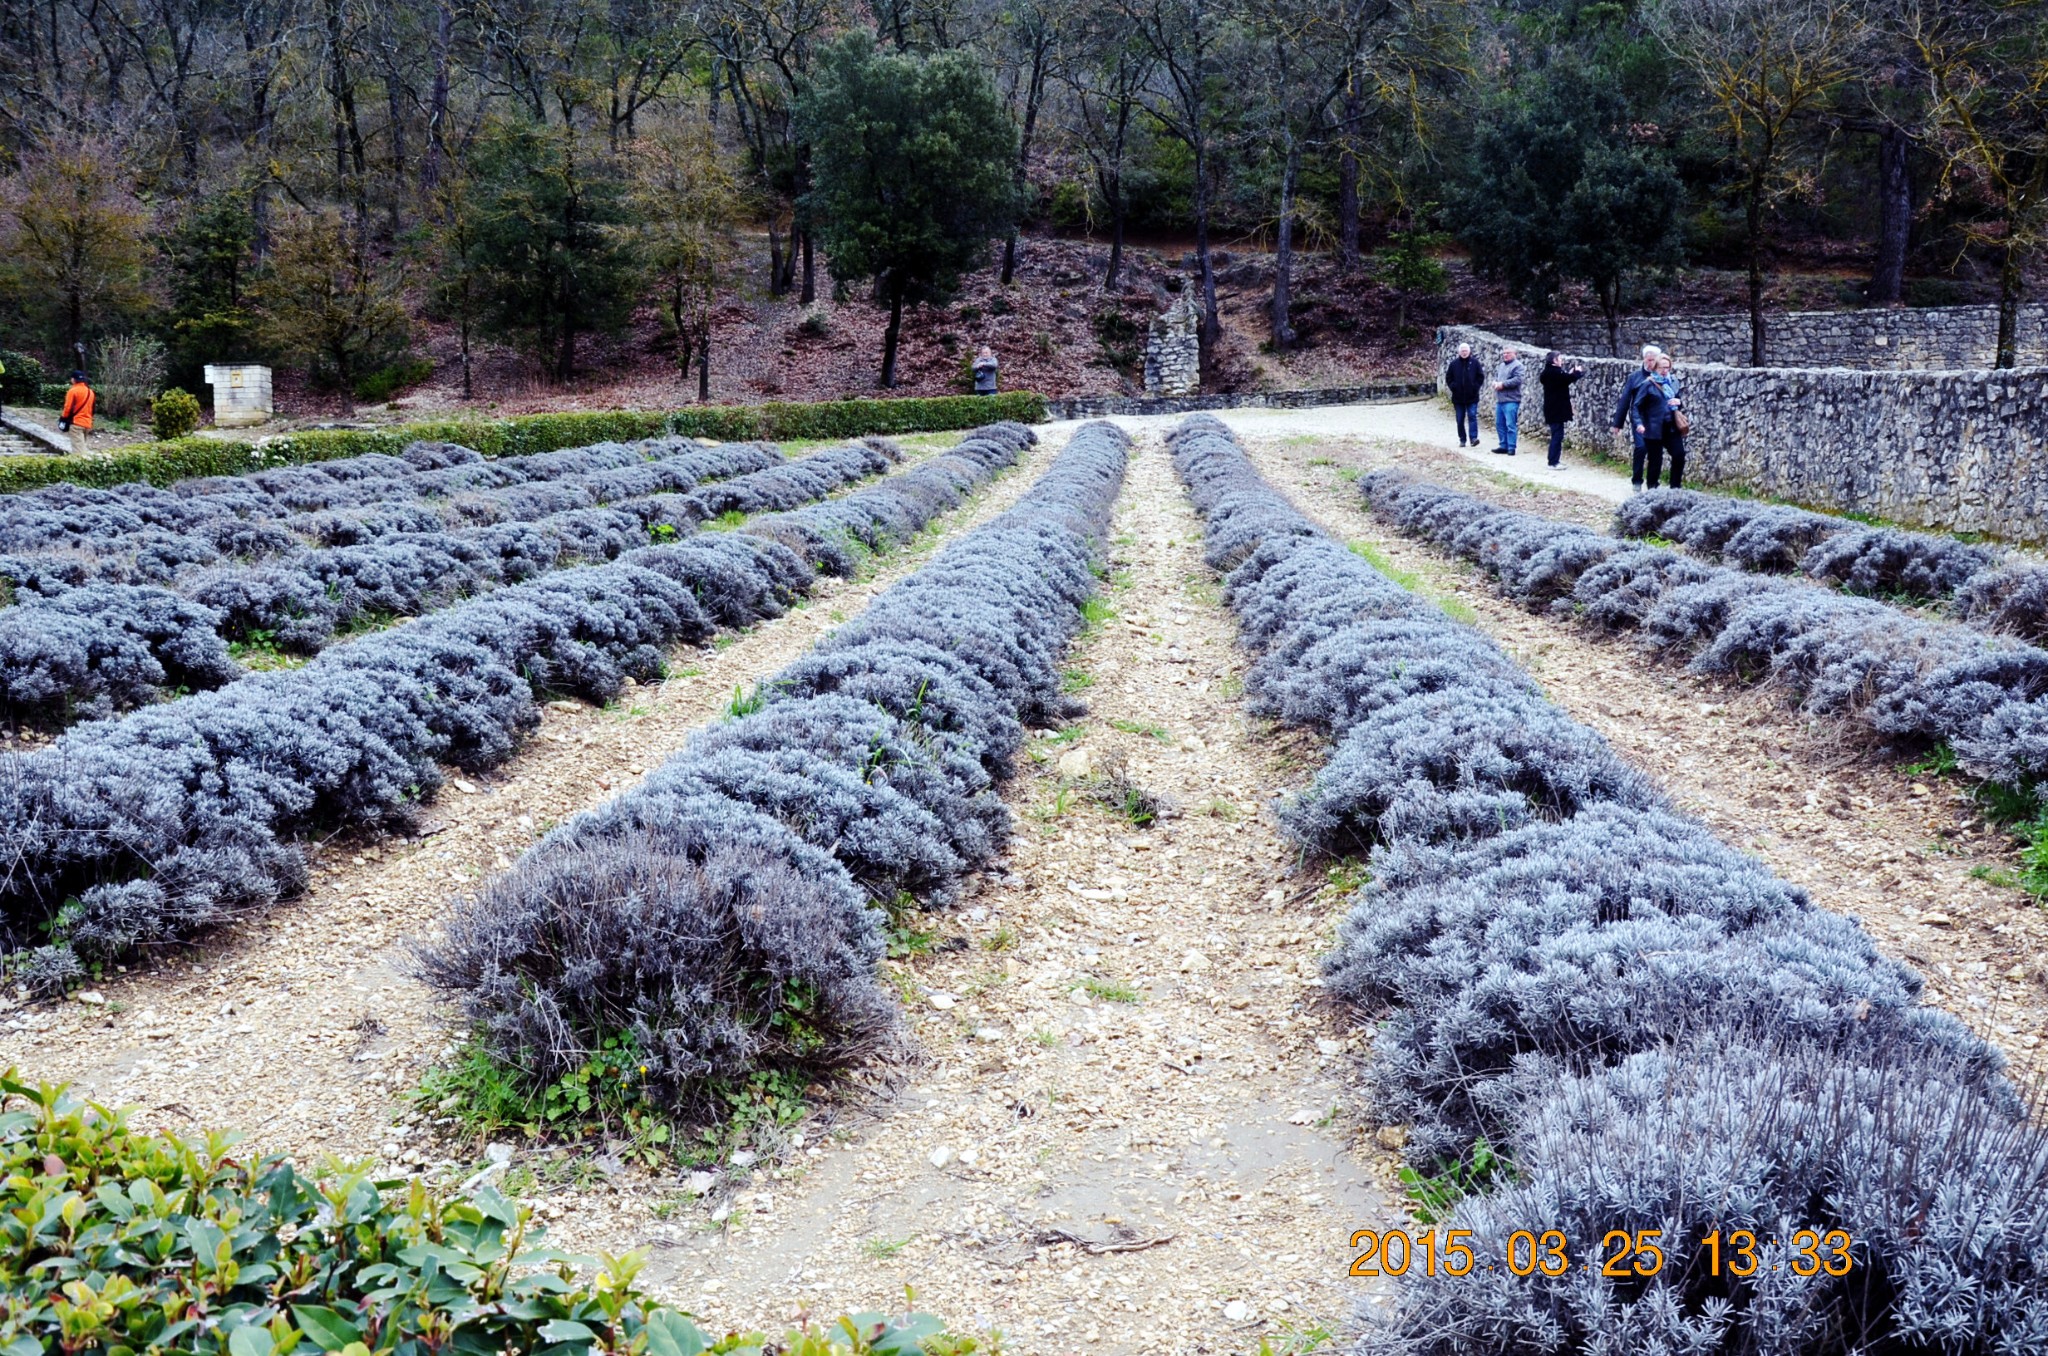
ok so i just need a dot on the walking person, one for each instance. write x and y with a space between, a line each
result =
985 371
1678 424
1625 404
1465 378
1557 381
1507 401
76 416
1652 415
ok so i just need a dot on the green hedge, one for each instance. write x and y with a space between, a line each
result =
115 1242
183 458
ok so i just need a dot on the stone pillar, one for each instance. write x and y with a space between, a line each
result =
1173 348
241 395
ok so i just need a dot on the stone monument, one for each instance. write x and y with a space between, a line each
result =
1173 348
241 395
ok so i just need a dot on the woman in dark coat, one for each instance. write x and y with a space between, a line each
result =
1655 426
1557 398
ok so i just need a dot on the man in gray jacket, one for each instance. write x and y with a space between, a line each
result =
1507 401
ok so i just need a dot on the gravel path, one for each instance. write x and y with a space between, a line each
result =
1420 423
1865 839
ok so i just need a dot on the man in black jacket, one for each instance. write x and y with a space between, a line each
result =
1464 379
1625 407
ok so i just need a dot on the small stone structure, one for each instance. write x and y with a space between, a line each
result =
241 395
1173 348
1874 339
1958 450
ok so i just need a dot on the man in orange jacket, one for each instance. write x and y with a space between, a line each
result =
76 418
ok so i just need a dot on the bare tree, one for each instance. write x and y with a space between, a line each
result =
1987 72
1183 37
1106 68
1764 67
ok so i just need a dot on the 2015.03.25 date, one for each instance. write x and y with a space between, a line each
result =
1622 1253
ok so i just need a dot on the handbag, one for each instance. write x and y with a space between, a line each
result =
1680 422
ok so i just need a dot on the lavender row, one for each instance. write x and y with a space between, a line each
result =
91 651
1980 585
153 827
726 915
67 535
1651 1029
1911 682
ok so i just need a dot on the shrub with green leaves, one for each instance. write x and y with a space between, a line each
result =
174 414
116 1241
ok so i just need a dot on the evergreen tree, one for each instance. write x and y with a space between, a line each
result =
911 170
554 227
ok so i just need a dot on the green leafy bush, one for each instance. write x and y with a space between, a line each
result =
22 382
379 385
113 1240
50 396
188 457
174 414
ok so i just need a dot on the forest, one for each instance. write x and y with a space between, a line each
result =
310 183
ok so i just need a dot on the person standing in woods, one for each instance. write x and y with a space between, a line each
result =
985 371
76 416
1464 379
1507 401
1557 380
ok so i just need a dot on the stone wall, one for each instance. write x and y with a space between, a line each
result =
1956 450
1878 339
1173 348
1097 407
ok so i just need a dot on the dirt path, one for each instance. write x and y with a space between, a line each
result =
1860 835
1129 1128
304 1025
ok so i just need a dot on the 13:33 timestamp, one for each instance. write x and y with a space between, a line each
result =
1622 1253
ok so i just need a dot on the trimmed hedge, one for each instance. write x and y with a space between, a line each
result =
184 458
113 1240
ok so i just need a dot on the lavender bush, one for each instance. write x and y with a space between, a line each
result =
1647 1026
726 913
152 827
1910 681
1977 584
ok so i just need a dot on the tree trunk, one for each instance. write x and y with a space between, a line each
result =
688 352
1347 188
1034 93
468 388
1895 216
2011 286
437 101
1754 221
774 261
889 339
1211 328
1116 240
704 367
810 293
1283 255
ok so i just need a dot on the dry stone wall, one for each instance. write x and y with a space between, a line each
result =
1952 450
1173 349
1876 339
